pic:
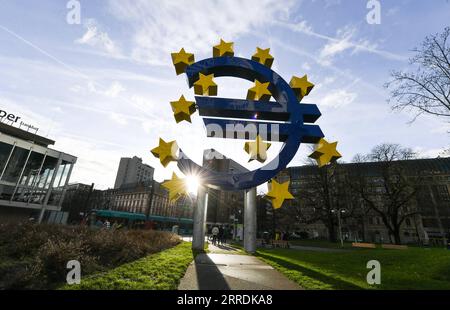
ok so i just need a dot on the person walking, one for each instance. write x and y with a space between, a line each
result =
107 224
225 235
215 233
220 236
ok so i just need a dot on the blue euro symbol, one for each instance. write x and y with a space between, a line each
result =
292 118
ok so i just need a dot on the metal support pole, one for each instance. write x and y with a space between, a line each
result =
21 174
49 191
66 183
7 161
198 235
250 220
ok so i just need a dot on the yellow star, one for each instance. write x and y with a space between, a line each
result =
325 152
223 49
278 193
259 91
183 109
181 60
176 187
205 85
301 86
262 56
257 149
165 151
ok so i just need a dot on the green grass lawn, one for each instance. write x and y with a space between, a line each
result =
320 243
415 268
159 271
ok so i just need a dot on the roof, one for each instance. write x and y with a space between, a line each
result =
120 214
141 216
25 135
440 165
142 186
216 161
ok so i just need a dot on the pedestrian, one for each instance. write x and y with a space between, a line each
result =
215 232
225 235
220 236
107 224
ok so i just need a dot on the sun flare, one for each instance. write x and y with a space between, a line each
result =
192 182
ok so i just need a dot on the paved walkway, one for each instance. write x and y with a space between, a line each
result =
225 269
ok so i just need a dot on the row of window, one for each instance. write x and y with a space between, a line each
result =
24 173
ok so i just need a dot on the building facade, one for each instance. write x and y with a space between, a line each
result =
133 170
429 205
33 177
148 198
77 201
224 207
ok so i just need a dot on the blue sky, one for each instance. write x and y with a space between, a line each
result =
102 88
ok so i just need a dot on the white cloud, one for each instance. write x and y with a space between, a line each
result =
162 27
392 11
112 91
329 79
444 129
342 43
306 66
99 39
338 98
431 153
118 118
97 162
45 122
330 3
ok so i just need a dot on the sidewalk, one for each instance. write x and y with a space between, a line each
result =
224 269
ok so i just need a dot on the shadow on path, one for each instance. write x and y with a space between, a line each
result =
209 276
336 283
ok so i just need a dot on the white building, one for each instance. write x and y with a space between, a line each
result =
33 177
132 170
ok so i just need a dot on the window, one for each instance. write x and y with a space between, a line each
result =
47 171
30 174
408 222
5 150
63 172
443 192
15 165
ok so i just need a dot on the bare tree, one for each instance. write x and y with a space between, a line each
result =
323 196
427 89
389 191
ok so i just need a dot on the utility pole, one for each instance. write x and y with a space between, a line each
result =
339 211
340 228
150 199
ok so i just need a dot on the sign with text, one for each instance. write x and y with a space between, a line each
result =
14 120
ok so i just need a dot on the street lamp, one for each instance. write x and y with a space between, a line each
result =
339 211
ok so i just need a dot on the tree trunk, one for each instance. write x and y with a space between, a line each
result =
363 226
331 231
396 235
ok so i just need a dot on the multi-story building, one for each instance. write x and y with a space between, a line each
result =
148 201
429 207
224 207
33 177
77 201
133 170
